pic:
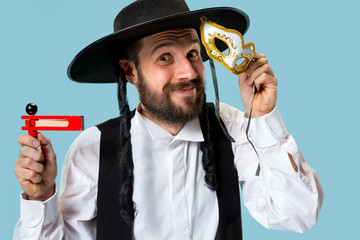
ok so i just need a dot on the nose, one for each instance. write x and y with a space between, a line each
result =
185 69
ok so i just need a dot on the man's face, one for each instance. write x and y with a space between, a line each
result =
171 75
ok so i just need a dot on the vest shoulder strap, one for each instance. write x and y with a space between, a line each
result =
228 193
110 225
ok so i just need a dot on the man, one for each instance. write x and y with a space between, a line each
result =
167 170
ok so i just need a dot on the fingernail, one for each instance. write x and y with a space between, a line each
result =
36 143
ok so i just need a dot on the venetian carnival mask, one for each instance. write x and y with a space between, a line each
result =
239 56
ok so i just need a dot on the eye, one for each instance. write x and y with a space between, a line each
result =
193 54
165 58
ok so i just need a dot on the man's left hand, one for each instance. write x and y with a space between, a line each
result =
260 74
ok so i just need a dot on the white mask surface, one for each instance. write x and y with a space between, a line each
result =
239 56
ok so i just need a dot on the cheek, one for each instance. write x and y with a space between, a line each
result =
200 69
157 78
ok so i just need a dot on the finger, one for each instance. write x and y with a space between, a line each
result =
242 78
260 80
30 164
259 71
33 153
24 174
259 55
256 64
258 60
27 140
46 147
265 81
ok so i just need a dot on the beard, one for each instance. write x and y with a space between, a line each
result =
161 107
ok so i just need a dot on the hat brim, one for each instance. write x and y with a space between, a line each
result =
94 64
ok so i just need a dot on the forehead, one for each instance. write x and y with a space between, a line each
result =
176 35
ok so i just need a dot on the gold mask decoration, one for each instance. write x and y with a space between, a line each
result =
235 42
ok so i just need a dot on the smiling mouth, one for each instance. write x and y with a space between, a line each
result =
186 90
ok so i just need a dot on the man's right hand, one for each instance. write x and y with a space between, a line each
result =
36 169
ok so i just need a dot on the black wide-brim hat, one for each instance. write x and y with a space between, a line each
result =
95 63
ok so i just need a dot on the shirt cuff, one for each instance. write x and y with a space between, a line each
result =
35 213
267 130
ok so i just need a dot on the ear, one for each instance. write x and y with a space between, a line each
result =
129 70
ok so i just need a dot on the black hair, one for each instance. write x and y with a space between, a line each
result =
206 148
132 52
124 153
126 164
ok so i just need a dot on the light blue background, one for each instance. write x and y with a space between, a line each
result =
311 46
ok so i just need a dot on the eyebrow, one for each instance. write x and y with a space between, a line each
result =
161 45
169 44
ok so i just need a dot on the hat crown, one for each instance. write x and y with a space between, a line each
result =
142 11
95 63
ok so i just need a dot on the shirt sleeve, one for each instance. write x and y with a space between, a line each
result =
279 198
71 214
35 216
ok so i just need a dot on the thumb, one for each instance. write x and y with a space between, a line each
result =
243 78
46 147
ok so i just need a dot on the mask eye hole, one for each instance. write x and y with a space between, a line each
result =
242 61
220 44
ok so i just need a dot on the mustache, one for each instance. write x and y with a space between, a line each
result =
181 85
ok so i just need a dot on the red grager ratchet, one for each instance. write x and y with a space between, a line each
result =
50 123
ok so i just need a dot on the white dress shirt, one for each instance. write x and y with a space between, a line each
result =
171 197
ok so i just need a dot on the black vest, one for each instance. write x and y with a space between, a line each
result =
109 222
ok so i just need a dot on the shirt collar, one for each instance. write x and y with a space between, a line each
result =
190 132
